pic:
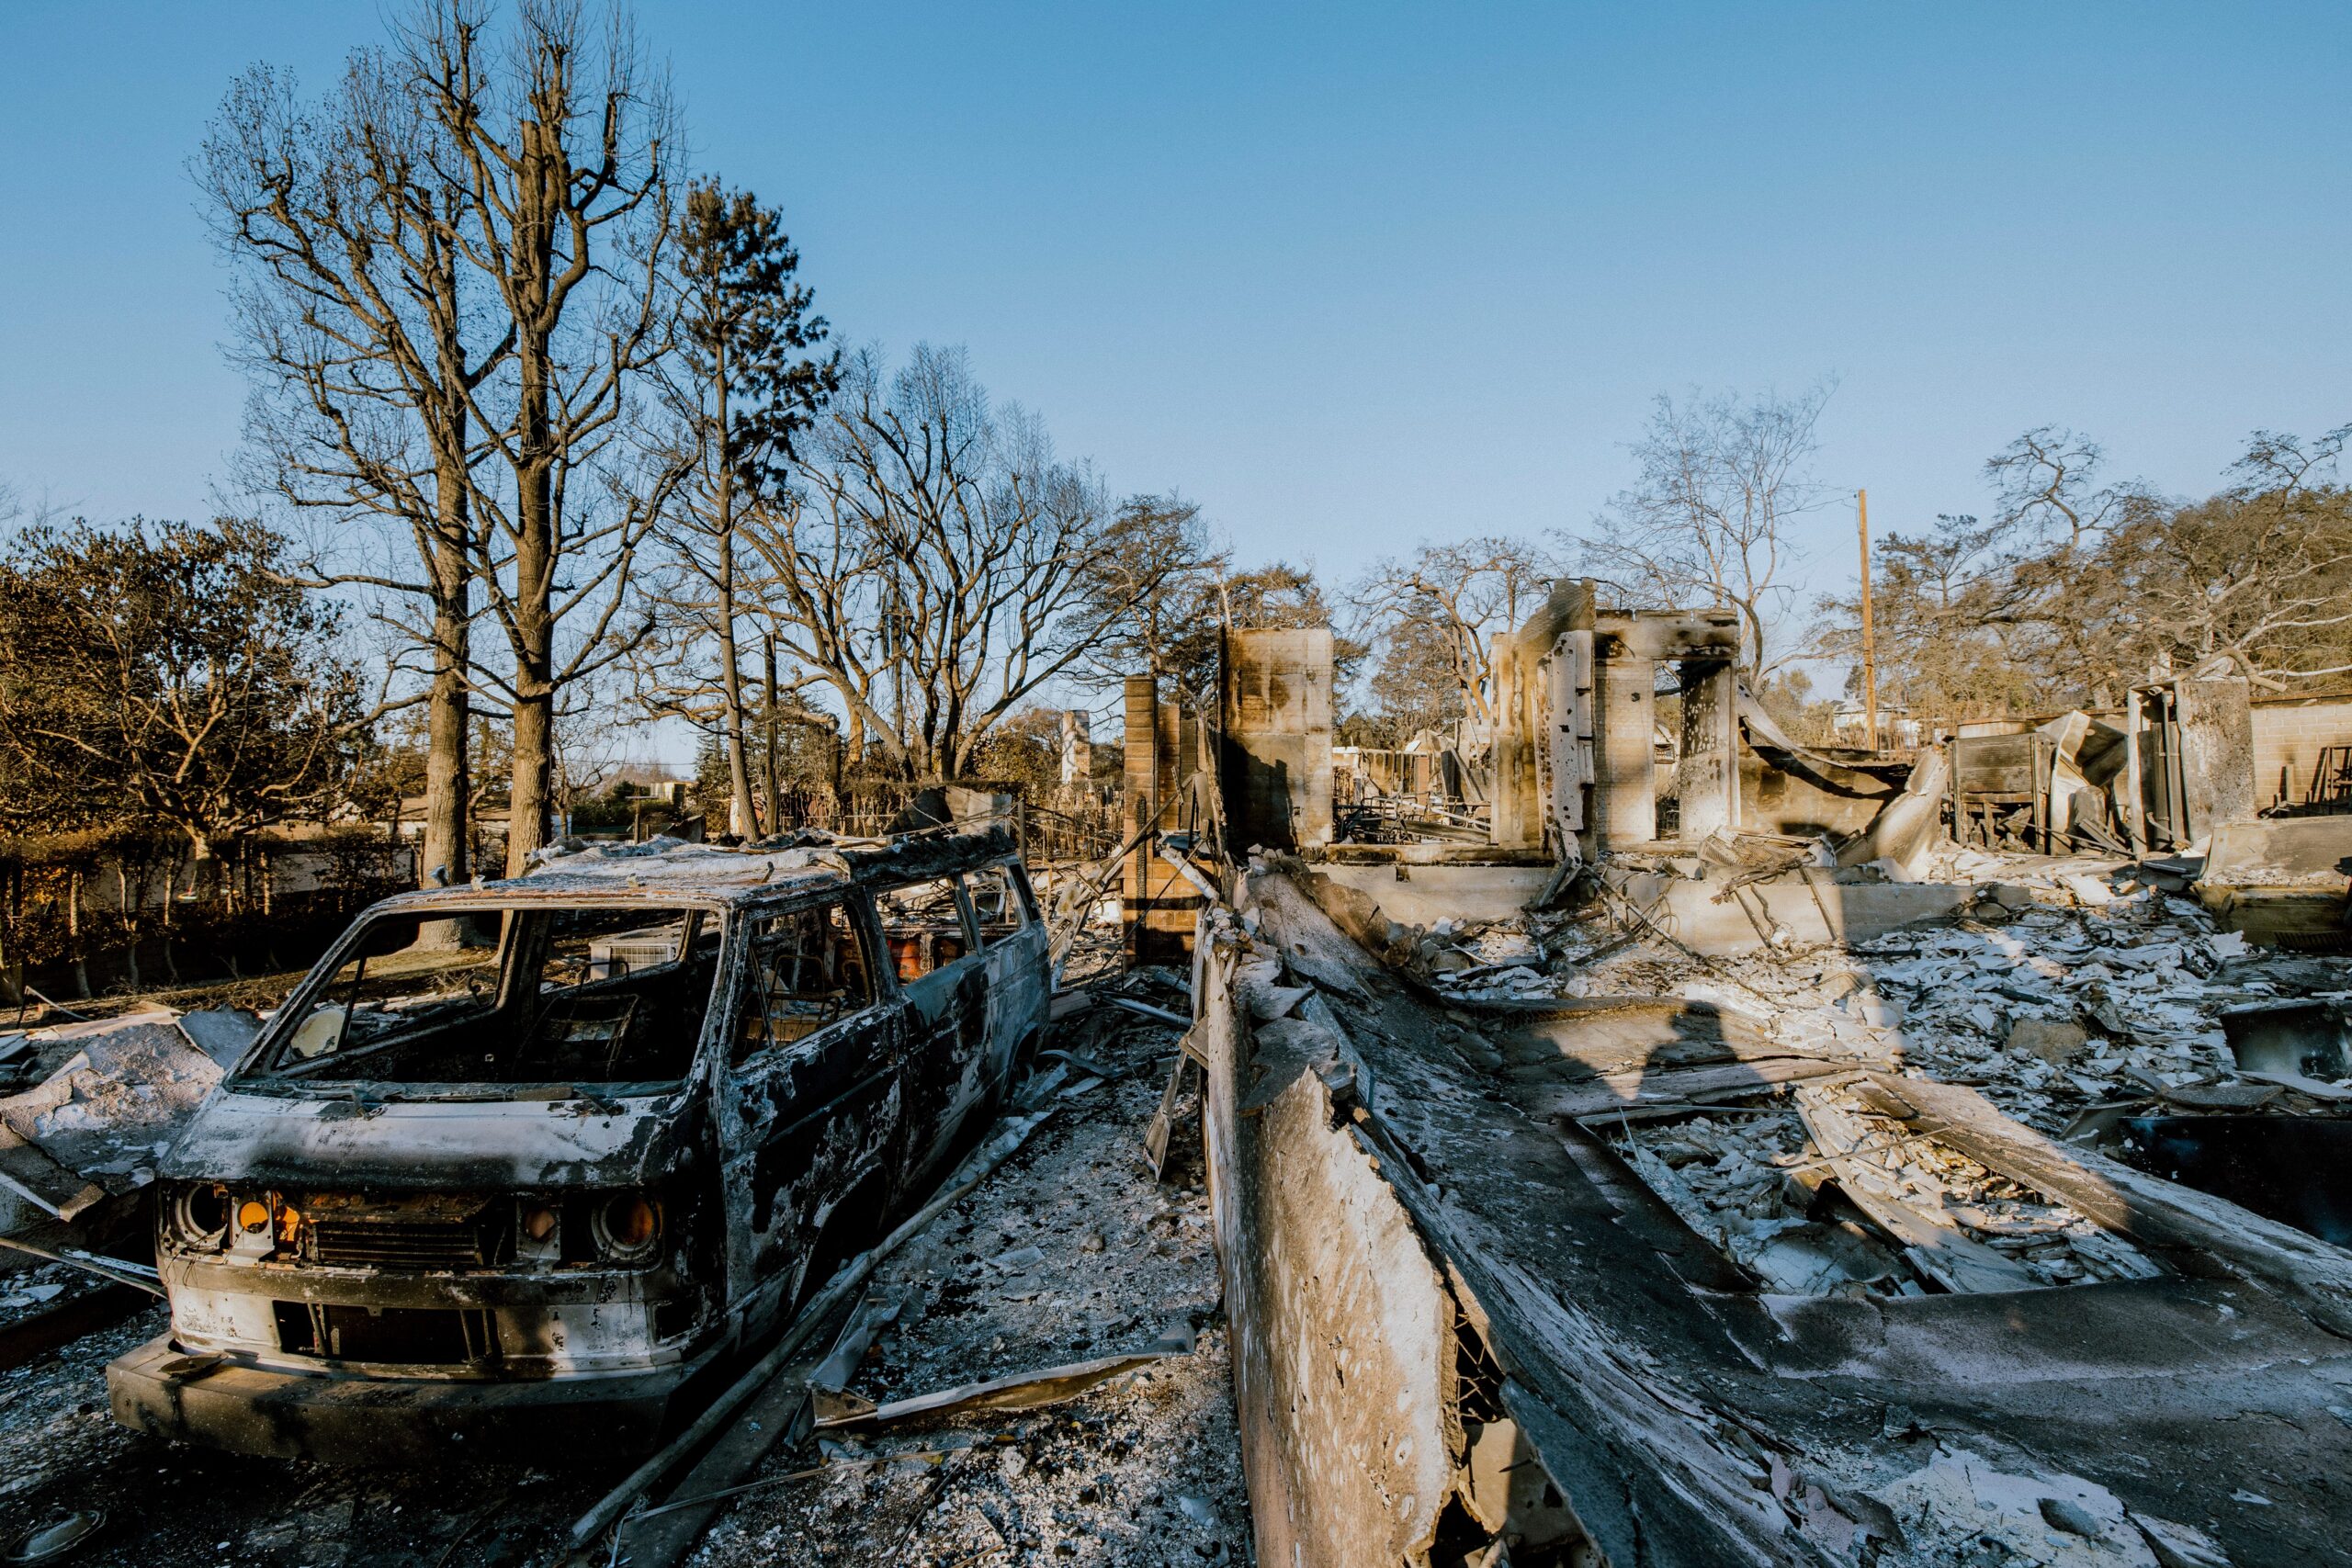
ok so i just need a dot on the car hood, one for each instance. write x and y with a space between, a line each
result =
463 1145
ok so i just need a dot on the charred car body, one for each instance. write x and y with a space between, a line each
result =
567 1146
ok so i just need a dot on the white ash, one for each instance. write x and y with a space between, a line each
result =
1739 1177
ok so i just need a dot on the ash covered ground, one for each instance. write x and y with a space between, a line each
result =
1143 1470
1071 1252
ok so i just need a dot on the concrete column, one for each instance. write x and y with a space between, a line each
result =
2216 752
1139 806
1157 906
1518 811
1275 768
1707 779
1626 769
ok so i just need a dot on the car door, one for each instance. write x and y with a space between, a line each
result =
927 925
1012 941
810 1112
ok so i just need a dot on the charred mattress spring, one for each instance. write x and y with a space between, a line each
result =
470 1243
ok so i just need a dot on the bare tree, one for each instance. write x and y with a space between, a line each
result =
560 141
2047 485
1455 597
1416 685
2055 514
1721 479
1952 621
1163 566
365 340
2078 586
937 563
2260 575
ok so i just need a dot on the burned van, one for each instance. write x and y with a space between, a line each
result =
536 1162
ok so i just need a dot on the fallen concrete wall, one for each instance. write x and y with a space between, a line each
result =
1342 1344
1777 800
1811 905
2284 850
1667 1411
2282 881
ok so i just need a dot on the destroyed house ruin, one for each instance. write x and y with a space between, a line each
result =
1840 1175
1630 1134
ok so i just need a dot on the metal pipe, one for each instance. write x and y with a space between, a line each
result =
139 1276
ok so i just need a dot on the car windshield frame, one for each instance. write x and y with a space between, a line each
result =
265 1069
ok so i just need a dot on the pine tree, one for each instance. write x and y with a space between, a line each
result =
743 385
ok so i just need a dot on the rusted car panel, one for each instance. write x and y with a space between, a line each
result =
694 1082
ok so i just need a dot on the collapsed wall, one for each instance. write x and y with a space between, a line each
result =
1434 1239
1740 1269
1343 1352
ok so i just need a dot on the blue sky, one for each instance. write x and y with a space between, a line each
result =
1355 275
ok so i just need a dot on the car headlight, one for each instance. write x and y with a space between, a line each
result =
628 1227
538 1229
198 1216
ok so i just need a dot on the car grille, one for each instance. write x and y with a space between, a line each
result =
421 1336
401 1243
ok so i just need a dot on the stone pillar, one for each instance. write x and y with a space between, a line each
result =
1157 906
1707 779
1626 781
1541 753
1517 820
2216 752
1276 765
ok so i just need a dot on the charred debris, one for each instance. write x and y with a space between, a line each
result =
1627 1141
397 1227
1640 1147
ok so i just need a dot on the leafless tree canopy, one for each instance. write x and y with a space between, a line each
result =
739 388
364 336
1445 604
937 563
1161 564
2077 585
559 139
1707 520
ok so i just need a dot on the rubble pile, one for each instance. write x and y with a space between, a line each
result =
39 1286
1738 1179
1071 1251
2058 1001
1753 1180
1913 1148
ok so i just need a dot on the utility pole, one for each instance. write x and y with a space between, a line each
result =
1869 660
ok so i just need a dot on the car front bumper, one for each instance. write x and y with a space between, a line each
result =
344 1417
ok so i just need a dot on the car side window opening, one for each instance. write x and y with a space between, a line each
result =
925 926
807 969
996 902
567 994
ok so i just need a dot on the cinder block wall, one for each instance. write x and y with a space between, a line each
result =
2287 735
